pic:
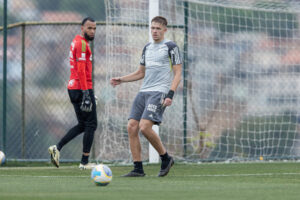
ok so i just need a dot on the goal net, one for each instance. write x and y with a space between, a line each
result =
239 97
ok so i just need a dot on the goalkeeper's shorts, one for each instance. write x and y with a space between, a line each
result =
86 119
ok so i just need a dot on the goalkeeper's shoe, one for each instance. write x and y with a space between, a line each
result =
165 167
87 166
134 173
54 154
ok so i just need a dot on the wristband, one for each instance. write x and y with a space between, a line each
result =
170 94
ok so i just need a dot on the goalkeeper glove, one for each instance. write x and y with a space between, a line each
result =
86 104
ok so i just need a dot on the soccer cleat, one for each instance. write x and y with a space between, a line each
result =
54 154
87 166
164 172
134 174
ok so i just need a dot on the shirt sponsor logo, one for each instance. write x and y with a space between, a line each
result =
82 56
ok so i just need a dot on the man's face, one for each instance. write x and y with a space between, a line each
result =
158 31
88 30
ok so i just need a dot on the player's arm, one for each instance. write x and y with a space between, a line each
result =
81 66
177 77
81 49
174 85
80 53
176 61
137 75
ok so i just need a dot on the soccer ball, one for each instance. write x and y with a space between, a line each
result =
101 175
2 158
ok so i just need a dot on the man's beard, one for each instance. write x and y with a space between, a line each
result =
87 37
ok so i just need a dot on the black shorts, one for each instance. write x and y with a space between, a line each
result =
86 119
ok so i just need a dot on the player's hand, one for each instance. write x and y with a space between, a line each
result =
167 102
86 104
168 99
115 81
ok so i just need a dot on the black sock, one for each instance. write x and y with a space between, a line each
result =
138 167
165 157
84 159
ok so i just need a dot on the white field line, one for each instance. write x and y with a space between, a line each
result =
31 168
195 175
231 175
34 176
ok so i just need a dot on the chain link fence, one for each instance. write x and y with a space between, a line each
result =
38 109
241 91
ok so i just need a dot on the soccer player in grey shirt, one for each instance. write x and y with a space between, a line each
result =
160 66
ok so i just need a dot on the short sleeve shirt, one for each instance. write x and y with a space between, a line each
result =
158 59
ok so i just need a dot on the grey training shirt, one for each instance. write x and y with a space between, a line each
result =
158 59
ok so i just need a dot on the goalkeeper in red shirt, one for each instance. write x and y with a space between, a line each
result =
80 89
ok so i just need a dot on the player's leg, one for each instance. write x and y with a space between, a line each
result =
153 114
146 128
54 150
90 126
134 139
135 147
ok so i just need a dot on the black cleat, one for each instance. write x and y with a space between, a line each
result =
164 172
134 174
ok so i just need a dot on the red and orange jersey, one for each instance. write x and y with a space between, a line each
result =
81 64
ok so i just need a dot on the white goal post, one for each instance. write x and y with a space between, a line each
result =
153 11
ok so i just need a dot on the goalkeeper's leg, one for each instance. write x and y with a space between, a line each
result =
54 150
90 124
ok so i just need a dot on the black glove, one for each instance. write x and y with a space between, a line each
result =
86 104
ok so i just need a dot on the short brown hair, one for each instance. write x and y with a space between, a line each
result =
160 19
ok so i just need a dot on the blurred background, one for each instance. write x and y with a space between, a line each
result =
238 100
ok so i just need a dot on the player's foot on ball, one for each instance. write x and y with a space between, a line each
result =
165 167
87 166
54 154
134 173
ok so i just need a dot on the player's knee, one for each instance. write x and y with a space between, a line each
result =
144 128
132 128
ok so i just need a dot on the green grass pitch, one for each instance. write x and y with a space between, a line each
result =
234 181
